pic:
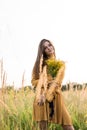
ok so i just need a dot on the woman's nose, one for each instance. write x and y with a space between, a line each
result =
49 48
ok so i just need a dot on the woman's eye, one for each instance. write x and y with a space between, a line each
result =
45 48
50 45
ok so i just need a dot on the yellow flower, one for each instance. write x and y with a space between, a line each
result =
53 66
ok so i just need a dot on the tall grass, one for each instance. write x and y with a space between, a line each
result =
76 102
16 110
16 107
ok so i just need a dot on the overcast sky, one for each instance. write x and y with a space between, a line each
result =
23 23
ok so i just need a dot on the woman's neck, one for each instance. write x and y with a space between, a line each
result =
51 57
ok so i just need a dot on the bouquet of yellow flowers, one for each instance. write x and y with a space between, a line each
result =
53 66
56 69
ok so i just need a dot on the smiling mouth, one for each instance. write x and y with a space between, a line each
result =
51 51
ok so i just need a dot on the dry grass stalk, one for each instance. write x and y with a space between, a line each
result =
23 79
5 106
1 68
1 71
4 82
3 76
42 80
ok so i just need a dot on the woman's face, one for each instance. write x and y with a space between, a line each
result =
48 49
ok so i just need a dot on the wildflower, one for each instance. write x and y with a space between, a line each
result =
54 66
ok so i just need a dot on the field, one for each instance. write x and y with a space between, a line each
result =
16 109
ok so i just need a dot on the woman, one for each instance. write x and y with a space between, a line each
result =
48 105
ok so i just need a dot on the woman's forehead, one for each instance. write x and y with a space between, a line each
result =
46 43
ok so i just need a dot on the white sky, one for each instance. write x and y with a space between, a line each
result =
23 23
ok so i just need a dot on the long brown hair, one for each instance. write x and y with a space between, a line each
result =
36 68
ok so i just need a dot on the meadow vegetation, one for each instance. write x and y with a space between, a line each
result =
16 106
16 109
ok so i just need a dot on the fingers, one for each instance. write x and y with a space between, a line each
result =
41 100
40 103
